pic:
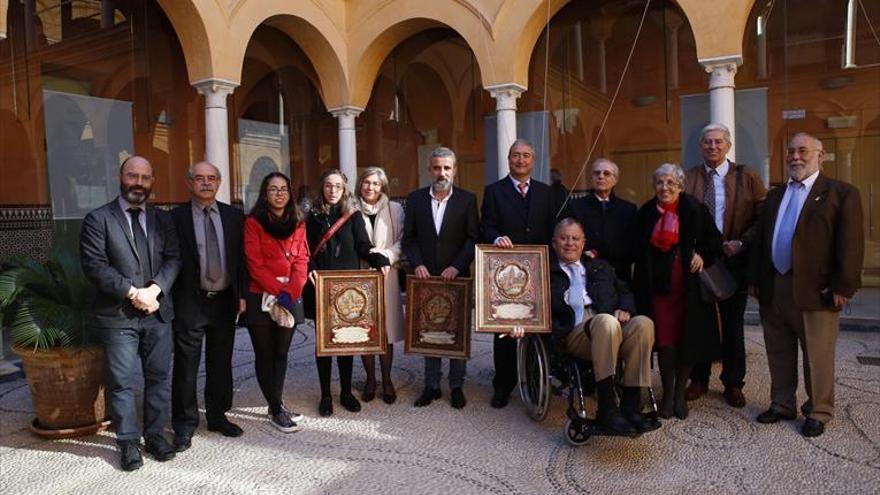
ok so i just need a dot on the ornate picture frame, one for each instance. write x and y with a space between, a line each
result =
349 313
512 288
438 317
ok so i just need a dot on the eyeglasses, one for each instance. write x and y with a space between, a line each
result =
603 173
205 178
278 191
333 187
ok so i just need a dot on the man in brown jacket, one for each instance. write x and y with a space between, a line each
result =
806 265
733 194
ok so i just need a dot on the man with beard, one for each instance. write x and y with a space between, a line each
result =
129 250
806 265
212 284
439 234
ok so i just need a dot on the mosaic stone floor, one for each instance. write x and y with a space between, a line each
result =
401 449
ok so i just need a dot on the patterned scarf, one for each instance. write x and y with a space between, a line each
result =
665 234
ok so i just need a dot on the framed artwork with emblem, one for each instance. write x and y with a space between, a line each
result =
512 288
438 317
350 313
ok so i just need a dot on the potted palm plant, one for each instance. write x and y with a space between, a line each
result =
45 305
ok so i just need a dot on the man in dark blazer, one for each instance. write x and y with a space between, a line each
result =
516 210
211 285
733 194
439 234
129 250
609 221
806 265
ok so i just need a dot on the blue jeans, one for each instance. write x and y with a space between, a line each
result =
152 343
434 372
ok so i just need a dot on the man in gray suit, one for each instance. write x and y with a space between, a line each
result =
129 251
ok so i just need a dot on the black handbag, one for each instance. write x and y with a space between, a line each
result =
716 283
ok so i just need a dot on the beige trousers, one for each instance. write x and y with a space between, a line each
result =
607 341
785 327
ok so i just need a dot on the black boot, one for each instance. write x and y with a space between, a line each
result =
608 413
666 359
680 406
630 408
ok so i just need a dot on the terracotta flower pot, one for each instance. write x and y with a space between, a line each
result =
67 388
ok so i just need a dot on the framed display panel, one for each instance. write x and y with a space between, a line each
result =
350 313
512 288
438 317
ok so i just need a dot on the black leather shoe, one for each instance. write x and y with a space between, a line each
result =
325 407
369 392
457 398
772 416
499 400
350 403
182 442
130 456
812 428
159 448
428 395
226 428
613 423
388 393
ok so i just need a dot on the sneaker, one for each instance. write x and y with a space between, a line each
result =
283 422
294 416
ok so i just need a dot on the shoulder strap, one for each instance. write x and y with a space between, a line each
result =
330 233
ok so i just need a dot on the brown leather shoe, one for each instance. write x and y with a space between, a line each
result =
734 396
695 390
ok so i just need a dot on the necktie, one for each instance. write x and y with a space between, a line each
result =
523 186
709 192
140 242
576 292
782 246
213 270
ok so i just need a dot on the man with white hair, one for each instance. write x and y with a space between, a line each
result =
733 193
806 265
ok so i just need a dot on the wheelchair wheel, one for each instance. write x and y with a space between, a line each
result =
574 434
534 376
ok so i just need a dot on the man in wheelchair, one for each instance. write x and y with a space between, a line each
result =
593 319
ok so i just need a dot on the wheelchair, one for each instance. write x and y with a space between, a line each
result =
543 373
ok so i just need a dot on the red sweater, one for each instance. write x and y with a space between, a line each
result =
266 259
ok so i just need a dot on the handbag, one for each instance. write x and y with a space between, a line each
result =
716 283
279 314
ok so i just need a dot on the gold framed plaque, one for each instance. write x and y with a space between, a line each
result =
438 317
350 313
512 288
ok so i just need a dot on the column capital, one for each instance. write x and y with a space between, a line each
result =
505 95
213 86
345 111
721 70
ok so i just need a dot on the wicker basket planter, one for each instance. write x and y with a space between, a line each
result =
67 389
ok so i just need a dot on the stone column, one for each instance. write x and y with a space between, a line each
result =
722 72
505 122
217 129
347 142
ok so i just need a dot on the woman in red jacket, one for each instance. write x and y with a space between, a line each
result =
277 259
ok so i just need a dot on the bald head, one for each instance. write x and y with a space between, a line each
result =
136 180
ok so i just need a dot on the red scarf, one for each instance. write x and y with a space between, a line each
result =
665 234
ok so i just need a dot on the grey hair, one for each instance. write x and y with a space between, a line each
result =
716 127
520 142
816 141
189 171
565 222
614 167
379 172
443 152
669 169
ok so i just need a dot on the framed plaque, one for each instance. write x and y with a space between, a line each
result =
349 313
438 317
512 288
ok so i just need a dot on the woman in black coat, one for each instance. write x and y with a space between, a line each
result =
677 238
343 251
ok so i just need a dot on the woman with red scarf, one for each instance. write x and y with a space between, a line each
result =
677 237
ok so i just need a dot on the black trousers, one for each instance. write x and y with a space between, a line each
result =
504 354
733 346
215 325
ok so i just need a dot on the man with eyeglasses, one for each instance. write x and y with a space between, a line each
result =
733 193
608 220
211 288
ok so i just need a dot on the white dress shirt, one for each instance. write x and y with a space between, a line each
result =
718 179
438 208
576 269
